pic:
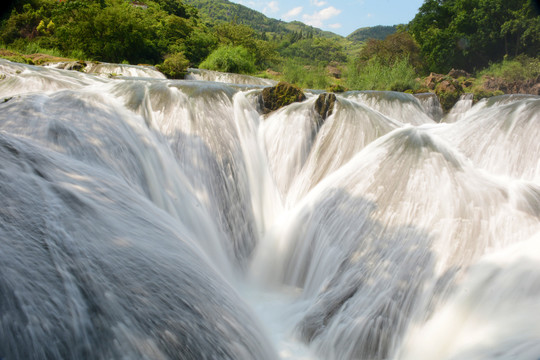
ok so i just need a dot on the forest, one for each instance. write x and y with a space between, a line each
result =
495 37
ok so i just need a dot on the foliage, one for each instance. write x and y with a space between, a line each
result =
305 76
392 49
228 58
376 74
468 34
223 11
242 35
110 30
519 69
314 49
174 66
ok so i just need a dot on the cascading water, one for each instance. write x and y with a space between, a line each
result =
163 219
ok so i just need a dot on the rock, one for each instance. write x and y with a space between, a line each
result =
449 91
76 66
324 106
337 88
456 74
432 80
276 97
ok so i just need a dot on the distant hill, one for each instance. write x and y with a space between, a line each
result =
375 32
226 11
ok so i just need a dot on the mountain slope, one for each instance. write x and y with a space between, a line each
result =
376 32
226 11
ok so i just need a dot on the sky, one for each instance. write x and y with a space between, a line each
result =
339 16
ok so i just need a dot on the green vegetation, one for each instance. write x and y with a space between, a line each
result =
376 32
377 74
305 76
174 66
228 58
469 34
520 68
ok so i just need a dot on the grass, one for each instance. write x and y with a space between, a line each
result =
518 69
305 76
375 75
32 54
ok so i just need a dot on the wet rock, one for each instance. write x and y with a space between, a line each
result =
276 97
76 66
324 106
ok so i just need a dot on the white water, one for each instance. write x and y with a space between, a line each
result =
228 78
151 218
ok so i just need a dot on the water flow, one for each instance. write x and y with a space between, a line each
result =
151 218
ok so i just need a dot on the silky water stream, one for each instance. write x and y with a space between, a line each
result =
145 218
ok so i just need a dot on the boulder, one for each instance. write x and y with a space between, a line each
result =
276 97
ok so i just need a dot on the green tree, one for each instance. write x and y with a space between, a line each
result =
174 66
393 48
471 33
228 58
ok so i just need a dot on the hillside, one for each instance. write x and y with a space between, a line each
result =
375 32
225 11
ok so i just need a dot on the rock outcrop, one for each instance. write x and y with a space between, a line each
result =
276 97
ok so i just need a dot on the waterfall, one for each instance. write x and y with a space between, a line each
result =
464 104
150 218
229 78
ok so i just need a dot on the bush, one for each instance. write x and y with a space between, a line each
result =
232 59
518 69
305 76
174 66
375 75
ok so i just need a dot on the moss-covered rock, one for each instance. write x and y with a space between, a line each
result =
324 106
276 97
337 88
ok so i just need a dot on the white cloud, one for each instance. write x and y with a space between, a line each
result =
317 3
317 18
271 7
335 26
292 13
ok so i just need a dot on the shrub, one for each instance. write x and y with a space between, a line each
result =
375 75
517 69
233 59
306 76
174 66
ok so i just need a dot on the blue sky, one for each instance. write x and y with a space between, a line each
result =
339 16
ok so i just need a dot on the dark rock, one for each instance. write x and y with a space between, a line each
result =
276 97
76 66
456 74
324 106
